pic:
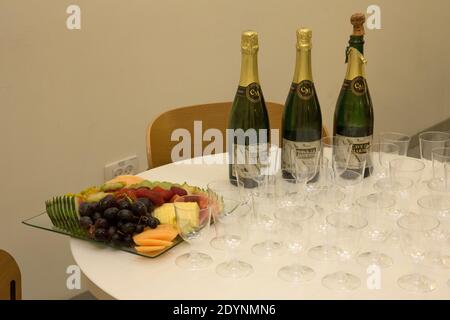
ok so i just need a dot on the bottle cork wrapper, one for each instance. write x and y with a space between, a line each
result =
249 41
304 36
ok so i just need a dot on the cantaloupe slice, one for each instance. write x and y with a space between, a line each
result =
148 249
162 232
153 242
127 179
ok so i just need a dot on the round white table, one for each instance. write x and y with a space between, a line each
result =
123 275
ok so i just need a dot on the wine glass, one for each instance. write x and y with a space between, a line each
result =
255 163
224 196
326 199
407 167
348 173
402 190
431 140
438 205
193 215
416 240
265 206
380 155
399 139
295 224
441 170
304 166
235 224
347 228
376 207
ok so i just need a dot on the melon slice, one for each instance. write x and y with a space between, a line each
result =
127 179
153 242
148 249
162 232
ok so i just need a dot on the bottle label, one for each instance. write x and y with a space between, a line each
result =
360 146
252 161
252 92
358 86
305 152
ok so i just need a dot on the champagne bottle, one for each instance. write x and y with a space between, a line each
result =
353 116
248 117
302 117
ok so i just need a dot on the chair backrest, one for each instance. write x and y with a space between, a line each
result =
213 115
10 278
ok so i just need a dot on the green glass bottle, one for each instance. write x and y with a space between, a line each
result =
248 123
353 116
302 117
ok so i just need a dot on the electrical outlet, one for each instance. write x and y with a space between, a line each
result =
128 166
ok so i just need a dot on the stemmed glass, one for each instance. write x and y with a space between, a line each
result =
193 215
347 227
407 167
399 139
348 174
235 224
296 224
257 163
304 167
224 196
441 170
326 199
438 205
402 190
265 207
417 240
380 155
376 207
431 140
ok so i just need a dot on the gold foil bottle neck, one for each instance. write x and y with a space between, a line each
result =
249 42
356 64
304 36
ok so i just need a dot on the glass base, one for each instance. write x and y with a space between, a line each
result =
218 243
296 273
194 261
436 259
416 283
234 269
374 258
268 249
342 281
377 235
439 185
323 253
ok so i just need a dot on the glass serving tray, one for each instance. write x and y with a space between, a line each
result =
42 221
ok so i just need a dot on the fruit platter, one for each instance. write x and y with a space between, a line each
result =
127 212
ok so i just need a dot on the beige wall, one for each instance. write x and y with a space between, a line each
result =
72 101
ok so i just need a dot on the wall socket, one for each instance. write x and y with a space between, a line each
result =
128 166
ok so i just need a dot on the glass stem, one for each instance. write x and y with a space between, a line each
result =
193 254
233 260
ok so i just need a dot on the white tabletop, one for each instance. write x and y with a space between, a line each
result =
127 276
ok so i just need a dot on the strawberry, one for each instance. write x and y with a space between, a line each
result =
155 197
166 194
125 193
178 191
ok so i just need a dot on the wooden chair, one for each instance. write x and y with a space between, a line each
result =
10 278
213 115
